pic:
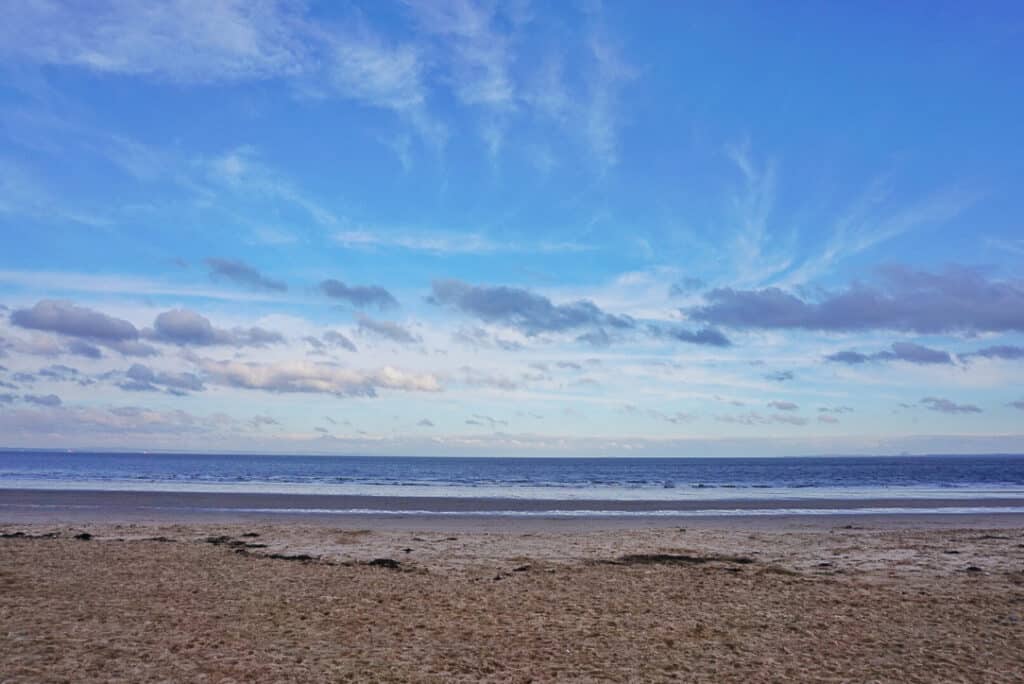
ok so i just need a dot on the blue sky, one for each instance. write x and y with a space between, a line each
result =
522 228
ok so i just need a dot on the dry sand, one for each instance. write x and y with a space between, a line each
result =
205 602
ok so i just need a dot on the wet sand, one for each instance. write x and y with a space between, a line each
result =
37 505
808 598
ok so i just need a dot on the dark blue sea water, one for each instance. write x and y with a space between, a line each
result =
607 479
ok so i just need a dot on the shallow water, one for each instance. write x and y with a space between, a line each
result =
552 479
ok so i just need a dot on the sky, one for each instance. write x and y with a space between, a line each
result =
512 228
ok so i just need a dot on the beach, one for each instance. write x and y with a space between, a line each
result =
129 593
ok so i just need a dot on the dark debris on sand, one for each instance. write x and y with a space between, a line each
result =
677 559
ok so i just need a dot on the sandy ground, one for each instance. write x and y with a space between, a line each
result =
275 602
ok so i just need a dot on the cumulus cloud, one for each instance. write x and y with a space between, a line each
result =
946 406
479 338
359 296
478 378
526 311
955 300
134 348
58 371
141 378
315 343
1019 404
754 418
337 339
62 373
387 330
1005 352
781 376
242 273
186 327
70 320
35 345
65 318
598 337
908 352
81 348
113 423
707 336
261 421
485 421
42 399
825 418
425 422
676 418
783 405
303 376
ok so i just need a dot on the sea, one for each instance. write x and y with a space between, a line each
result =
551 486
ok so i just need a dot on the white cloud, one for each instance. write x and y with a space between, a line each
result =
242 170
445 242
272 236
304 376
478 55
187 41
473 52
603 116
215 41
365 68
1012 246
873 220
22 193
57 282
752 205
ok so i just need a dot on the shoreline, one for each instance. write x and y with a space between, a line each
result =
381 512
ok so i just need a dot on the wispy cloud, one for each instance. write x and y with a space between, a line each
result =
1011 246
367 69
756 250
67 281
478 54
445 242
459 49
23 194
609 75
873 220
227 41
241 169
362 66
755 418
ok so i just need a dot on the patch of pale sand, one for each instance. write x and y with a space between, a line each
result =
891 605
838 550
